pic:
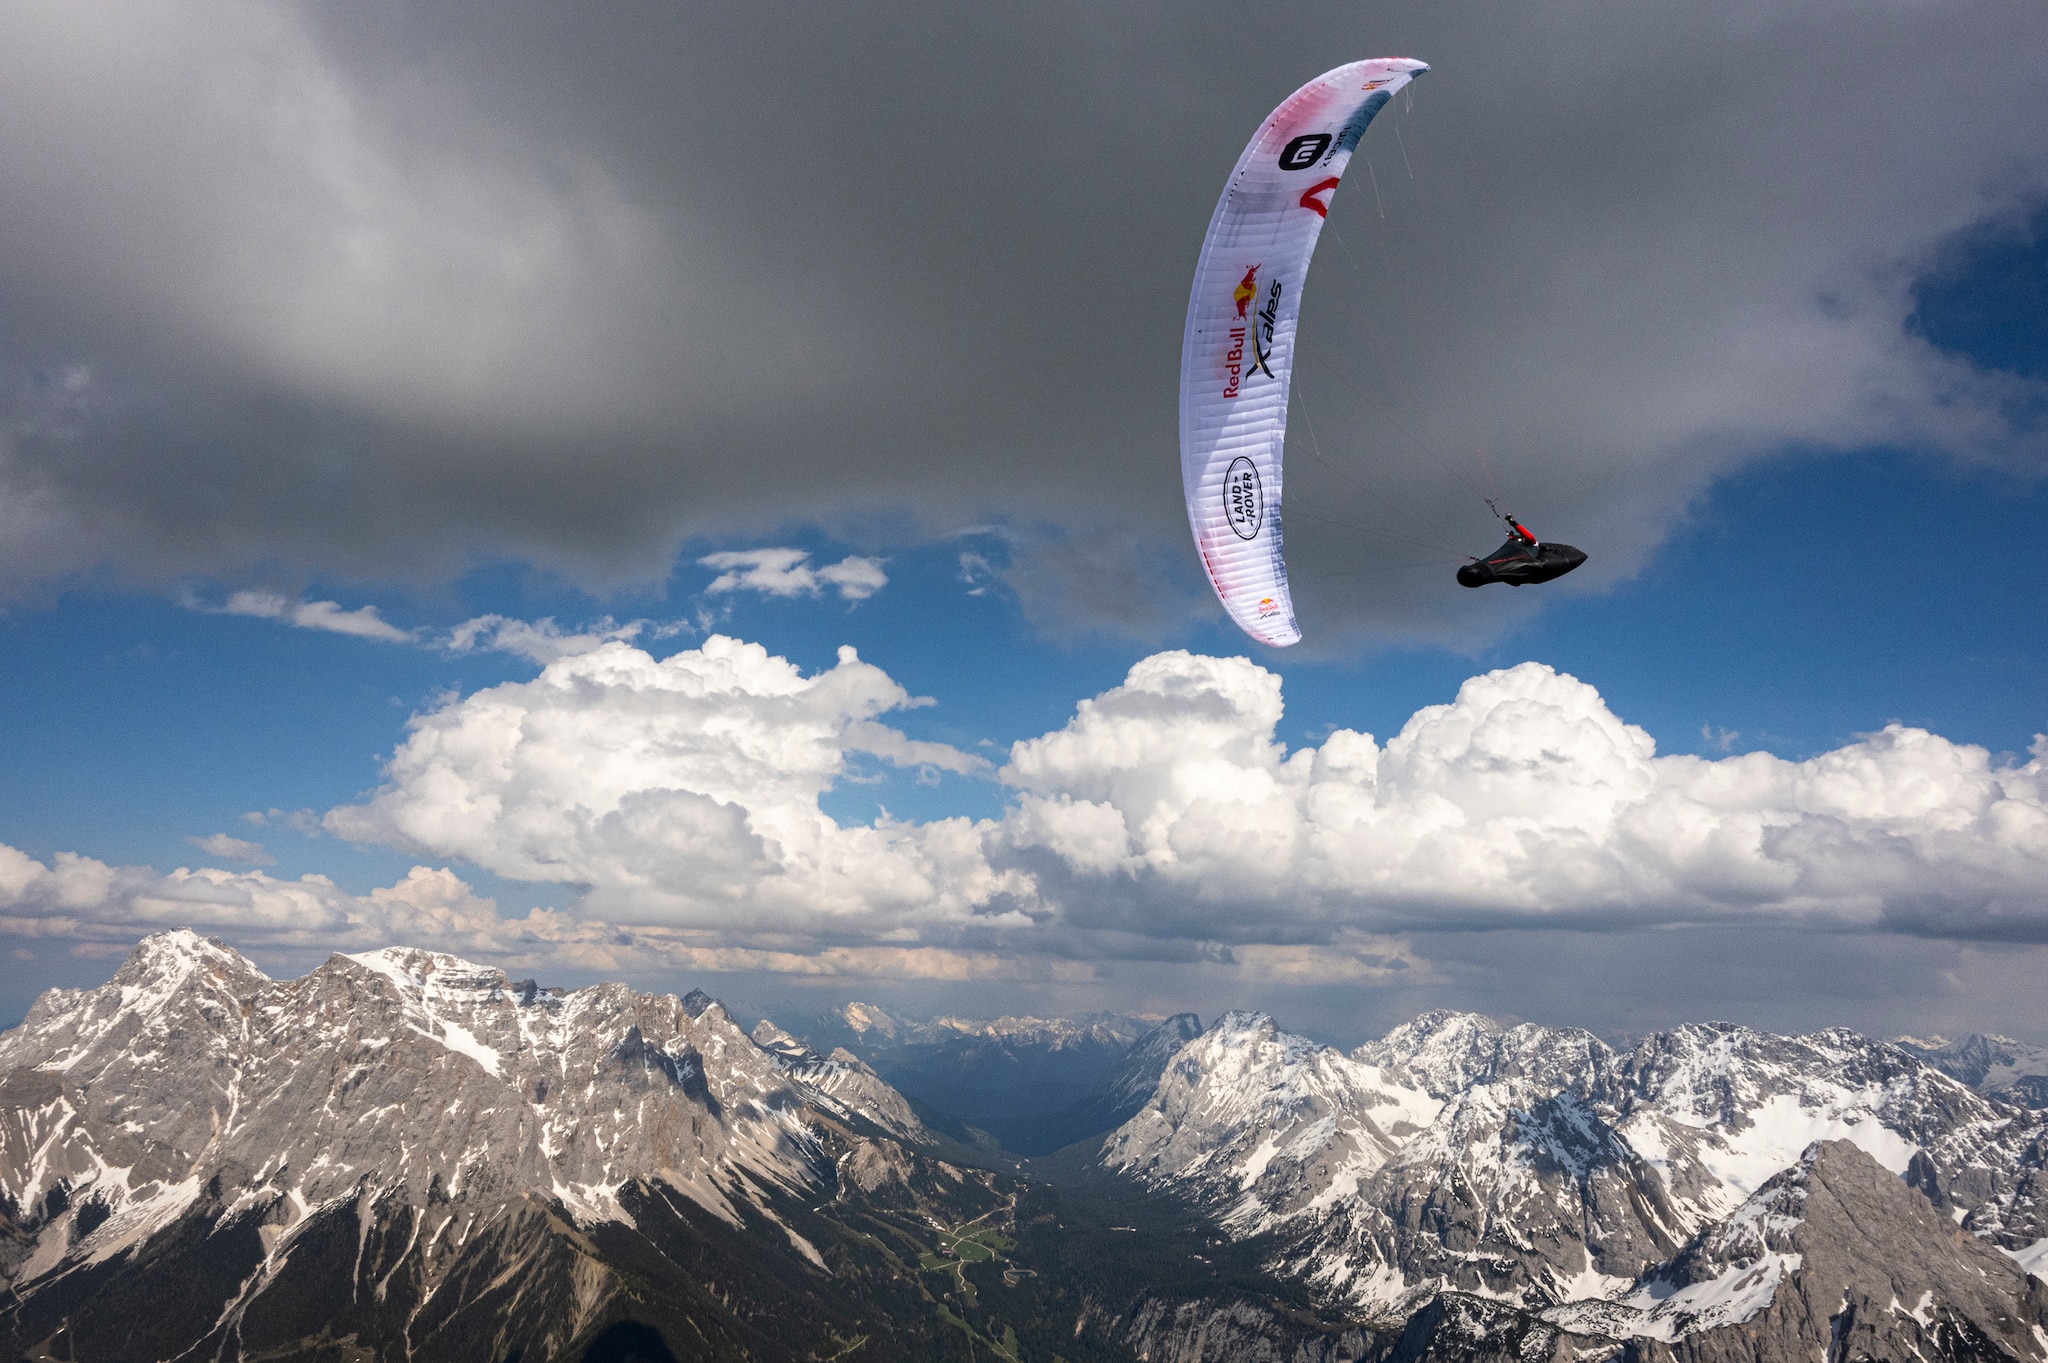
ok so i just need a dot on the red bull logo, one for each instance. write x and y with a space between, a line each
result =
1267 606
1246 290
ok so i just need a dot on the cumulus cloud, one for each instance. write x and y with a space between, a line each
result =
677 801
232 849
1167 813
79 897
787 572
101 909
1168 805
685 790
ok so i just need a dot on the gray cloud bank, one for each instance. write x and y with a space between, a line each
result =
380 293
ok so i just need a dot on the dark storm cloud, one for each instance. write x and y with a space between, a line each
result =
378 292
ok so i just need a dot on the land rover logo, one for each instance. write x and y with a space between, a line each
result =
1243 500
1302 152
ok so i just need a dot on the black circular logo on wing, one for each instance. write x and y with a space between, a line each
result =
1244 500
1304 151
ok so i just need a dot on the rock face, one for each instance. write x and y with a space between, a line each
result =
445 1115
402 1155
1530 1168
1123 1092
1835 1252
844 1076
1995 1066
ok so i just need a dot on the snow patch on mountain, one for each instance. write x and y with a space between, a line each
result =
392 1073
1538 1166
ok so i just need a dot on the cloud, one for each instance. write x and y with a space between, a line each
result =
1168 806
83 898
541 641
103 908
1163 832
232 849
685 791
1166 813
391 296
364 622
787 572
304 822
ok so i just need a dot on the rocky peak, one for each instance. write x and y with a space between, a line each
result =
1833 1256
863 1018
774 1040
163 960
1996 1066
1445 1051
414 1075
1268 1124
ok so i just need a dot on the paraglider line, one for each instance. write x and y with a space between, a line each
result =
1375 189
1489 477
1347 248
1403 143
1425 446
1315 445
1356 528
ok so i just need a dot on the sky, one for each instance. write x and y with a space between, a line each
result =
690 496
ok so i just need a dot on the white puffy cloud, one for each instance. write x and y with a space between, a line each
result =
230 848
685 790
86 899
1168 804
787 572
102 908
679 798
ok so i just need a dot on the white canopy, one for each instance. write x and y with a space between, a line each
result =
1238 354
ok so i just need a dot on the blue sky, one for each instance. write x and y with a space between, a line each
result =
1803 445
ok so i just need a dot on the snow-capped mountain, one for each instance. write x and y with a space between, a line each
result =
412 1095
1269 1127
844 1076
1995 1066
402 1155
1835 1237
1536 1167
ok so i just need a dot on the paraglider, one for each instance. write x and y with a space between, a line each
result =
1522 560
1237 352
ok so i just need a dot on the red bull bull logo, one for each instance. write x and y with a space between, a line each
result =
1267 606
1233 359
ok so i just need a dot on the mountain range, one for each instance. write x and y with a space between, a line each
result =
402 1155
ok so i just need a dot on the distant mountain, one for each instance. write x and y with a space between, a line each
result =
1478 1177
1022 1080
1123 1092
1995 1066
405 1156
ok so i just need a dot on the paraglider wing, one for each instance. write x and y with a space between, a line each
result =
1238 351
